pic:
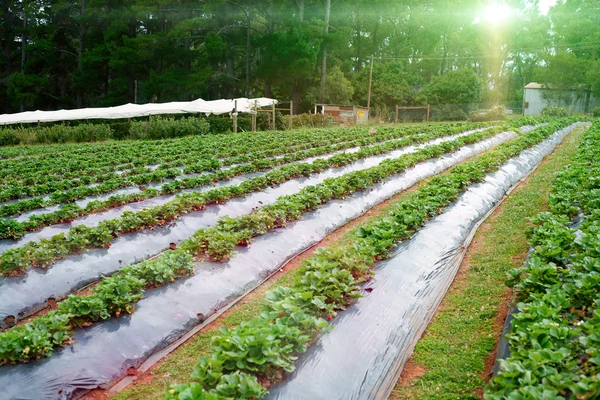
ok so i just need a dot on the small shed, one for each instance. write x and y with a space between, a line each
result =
344 115
536 97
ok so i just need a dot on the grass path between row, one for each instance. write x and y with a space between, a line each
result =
454 357
178 366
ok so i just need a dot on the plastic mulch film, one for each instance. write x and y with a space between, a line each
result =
21 296
103 352
372 340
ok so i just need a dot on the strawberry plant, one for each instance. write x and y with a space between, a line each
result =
111 297
554 336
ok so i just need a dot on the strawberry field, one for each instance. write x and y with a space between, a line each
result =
112 252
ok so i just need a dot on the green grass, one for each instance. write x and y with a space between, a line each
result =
461 337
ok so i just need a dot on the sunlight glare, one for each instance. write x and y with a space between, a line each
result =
496 13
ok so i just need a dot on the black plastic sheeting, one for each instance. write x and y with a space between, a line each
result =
25 295
103 352
503 350
373 339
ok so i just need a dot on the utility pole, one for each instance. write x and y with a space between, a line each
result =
370 83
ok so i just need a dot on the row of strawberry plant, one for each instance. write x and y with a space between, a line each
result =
12 229
170 152
166 152
260 349
292 318
112 181
218 242
81 237
111 297
555 336
185 153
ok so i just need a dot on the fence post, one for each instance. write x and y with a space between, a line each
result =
235 117
254 115
370 84
397 113
291 113
274 123
428 113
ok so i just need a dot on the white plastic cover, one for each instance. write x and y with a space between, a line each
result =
139 110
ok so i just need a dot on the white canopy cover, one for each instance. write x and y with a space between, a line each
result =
139 110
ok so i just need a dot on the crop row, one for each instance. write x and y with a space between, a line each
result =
555 336
12 229
261 349
328 283
69 190
81 237
111 297
171 152
218 242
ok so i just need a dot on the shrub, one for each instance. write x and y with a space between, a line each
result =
449 112
224 124
596 112
79 133
163 128
496 113
120 130
8 137
55 134
309 120
554 111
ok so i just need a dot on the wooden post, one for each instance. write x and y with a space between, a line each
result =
274 123
38 123
428 112
254 115
235 127
396 113
355 112
370 83
291 113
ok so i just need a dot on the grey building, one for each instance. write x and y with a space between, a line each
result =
537 97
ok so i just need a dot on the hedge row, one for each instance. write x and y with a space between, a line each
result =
153 128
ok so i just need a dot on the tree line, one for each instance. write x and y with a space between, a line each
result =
83 53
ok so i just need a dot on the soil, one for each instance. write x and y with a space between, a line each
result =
411 372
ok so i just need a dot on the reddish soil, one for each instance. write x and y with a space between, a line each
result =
411 372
